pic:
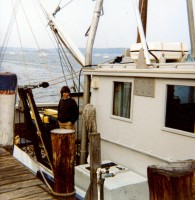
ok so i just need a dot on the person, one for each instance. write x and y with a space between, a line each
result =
68 110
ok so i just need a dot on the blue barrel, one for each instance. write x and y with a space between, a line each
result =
8 86
8 83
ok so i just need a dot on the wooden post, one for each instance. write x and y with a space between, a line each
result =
173 181
95 163
63 148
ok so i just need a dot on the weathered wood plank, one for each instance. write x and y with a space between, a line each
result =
22 193
17 182
40 196
19 185
15 179
10 166
5 168
3 152
8 160
14 172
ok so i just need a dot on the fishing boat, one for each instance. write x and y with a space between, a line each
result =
143 107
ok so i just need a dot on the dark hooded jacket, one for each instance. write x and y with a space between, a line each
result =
68 110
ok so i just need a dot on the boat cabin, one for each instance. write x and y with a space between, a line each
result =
145 114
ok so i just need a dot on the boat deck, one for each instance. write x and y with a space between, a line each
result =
17 182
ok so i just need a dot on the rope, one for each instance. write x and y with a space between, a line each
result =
39 133
89 118
55 193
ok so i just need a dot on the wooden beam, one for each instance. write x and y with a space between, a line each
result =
95 163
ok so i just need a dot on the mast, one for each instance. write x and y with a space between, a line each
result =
64 37
191 26
141 32
90 42
143 8
87 78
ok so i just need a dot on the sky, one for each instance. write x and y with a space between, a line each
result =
167 22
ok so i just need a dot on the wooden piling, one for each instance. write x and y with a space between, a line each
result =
8 86
173 181
95 163
63 148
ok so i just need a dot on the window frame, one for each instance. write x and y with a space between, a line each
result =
130 120
169 129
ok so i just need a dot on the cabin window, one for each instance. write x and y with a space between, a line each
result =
180 110
122 99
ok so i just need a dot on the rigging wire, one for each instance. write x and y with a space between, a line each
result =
66 60
71 68
22 51
61 52
66 4
31 28
58 8
59 3
7 35
47 66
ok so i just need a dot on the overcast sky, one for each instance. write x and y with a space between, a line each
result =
167 22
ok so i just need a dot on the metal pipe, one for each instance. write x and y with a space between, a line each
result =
92 32
141 32
143 8
191 26
87 78
89 48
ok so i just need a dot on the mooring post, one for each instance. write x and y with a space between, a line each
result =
8 86
95 163
172 181
63 148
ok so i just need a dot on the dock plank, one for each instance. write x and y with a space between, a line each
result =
22 193
10 168
16 179
43 196
15 172
17 182
16 186
3 152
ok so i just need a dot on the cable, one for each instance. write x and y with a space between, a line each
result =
58 8
8 33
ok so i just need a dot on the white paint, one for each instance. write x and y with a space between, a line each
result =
174 51
125 184
143 140
7 108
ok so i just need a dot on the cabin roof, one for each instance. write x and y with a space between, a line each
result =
158 70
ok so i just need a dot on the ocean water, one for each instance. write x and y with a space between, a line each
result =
33 67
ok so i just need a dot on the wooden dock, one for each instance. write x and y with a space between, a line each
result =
17 182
